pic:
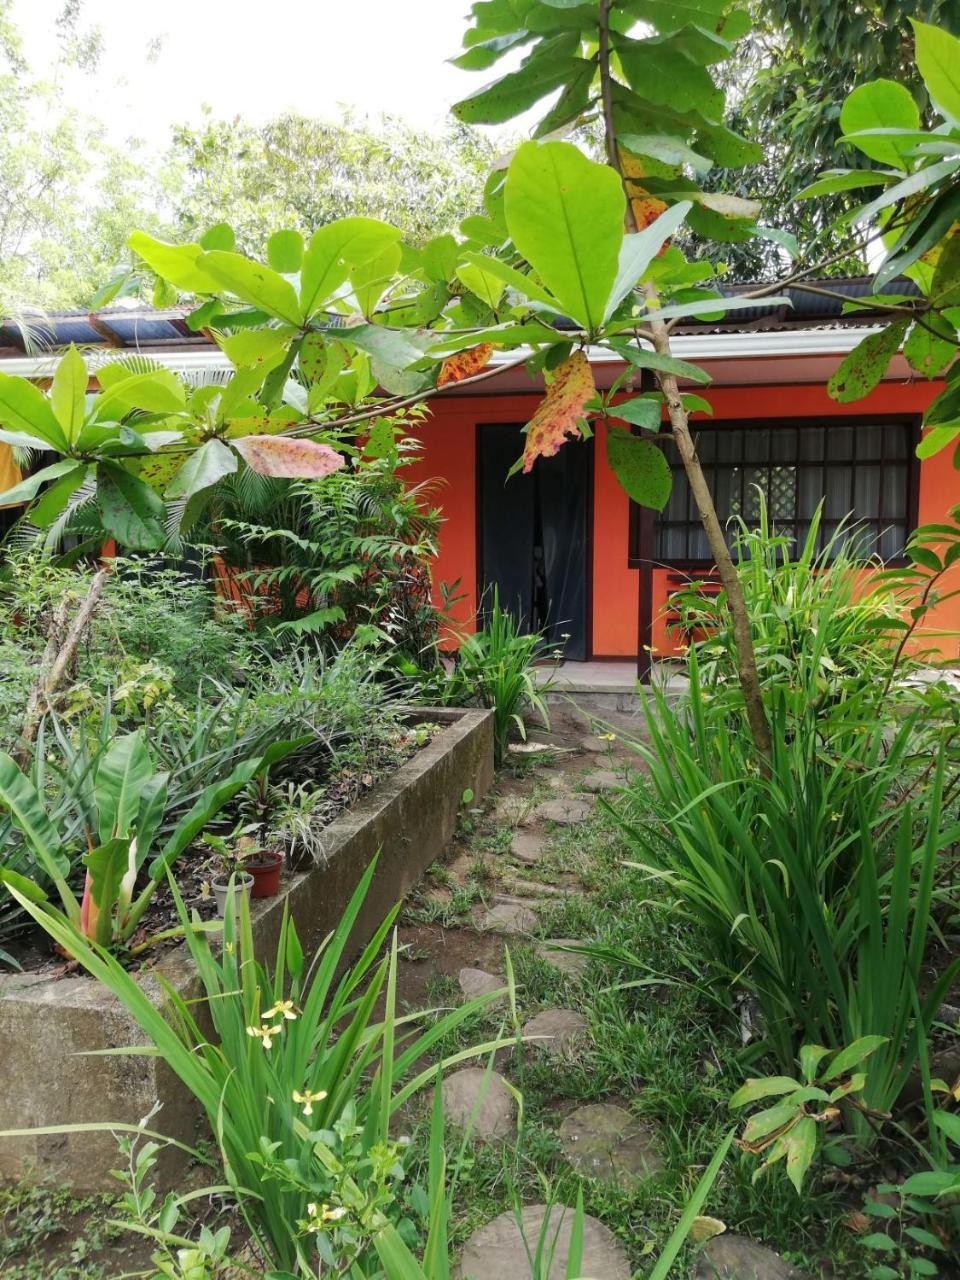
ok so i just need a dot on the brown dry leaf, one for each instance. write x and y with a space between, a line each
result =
859 1223
465 364
704 1228
557 415
288 459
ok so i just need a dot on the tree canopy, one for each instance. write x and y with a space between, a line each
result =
787 81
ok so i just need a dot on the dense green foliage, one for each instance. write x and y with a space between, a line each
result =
788 81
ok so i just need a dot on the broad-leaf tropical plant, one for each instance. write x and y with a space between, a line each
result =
127 802
916 214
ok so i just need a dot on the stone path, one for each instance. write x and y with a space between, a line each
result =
605 1140
556 792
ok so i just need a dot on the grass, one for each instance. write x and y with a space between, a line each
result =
669 1053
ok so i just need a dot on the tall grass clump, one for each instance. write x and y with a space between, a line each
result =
814 876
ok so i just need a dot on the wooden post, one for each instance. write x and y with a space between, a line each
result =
645 572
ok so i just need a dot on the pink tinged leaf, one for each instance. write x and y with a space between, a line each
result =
284 458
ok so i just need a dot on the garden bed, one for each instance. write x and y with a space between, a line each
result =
46 1024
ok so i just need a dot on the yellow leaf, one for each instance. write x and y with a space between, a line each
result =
556 418
703 1228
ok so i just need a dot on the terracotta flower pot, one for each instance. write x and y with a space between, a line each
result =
266 874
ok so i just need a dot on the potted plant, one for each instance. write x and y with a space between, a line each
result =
239 855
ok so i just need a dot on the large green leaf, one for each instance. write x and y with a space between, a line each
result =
524 284
931 347
517 91
333 250
642 358
266 347
27 489
565 216
664 76
487 285
255 283
53 501
179 263
639 250
865 365
122 774
210 463
575 99
640 467
881 104
639 412
919 181
844 180
68 392
130 510
108 863
393 347
157 391
666 149
20 796
23 407
945 286
938 61
285 251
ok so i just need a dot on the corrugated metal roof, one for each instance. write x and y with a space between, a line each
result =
819 306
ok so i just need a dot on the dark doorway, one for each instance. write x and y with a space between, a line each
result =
533 535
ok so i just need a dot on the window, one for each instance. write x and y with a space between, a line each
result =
863 467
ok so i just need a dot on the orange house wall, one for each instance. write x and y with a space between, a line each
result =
449 439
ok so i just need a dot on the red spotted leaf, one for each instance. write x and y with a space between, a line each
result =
560 409
465 364
290 459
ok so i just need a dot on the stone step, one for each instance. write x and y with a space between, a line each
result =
557 1032
528 846
510 917
569 811
601 780
477 982
569 962
480 1100
605 1141
500 1249
732 1257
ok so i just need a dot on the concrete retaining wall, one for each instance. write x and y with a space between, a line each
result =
44 1025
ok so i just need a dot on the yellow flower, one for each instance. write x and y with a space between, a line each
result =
265 1034
607 737
321 1214
307 1098
282 1009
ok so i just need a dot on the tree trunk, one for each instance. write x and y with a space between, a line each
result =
680 427
58 657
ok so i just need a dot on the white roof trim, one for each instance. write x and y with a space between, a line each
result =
751 344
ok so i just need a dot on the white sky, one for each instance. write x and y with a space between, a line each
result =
257 58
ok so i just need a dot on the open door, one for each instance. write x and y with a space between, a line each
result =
533 536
